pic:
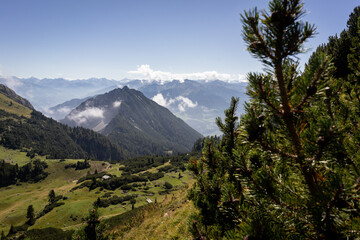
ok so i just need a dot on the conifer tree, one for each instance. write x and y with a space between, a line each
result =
289 170
12 230
30 215
52 196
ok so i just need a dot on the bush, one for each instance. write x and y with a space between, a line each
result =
168 185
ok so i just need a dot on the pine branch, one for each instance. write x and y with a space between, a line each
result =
275 150
266 99
312 89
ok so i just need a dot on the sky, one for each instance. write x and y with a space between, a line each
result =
147 39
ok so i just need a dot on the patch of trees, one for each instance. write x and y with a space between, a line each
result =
117 182
45 136
289 169
53 203
93 230
113 200
91 176
30 172
200 143
140 164
22 232
79 165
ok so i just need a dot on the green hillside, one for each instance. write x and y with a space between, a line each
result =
44 136
77 201
13 107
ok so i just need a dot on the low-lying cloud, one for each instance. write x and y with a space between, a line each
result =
181 102
64 110
149 74
159 99
11 82
116 104
185 103
87 114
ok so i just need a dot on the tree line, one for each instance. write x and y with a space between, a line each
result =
33 171
46 137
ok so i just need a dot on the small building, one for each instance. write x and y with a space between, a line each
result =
105 177
148 200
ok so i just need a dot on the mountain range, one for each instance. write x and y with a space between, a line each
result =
198 103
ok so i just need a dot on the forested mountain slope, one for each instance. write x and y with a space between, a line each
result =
32 131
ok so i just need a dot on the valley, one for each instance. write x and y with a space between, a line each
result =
70 216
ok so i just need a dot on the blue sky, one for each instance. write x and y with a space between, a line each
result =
79 39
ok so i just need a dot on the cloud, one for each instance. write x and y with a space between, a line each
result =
29 94
12 83
160 76
159 99
88 113
182 102
47 111
64 110
185 103
116 104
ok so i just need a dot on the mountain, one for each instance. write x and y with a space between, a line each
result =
198 103
29 130
61 110
134 122
44 93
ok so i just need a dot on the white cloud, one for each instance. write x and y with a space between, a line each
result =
116 104
181 102
159 99
64 110
12 83
88 113
47 111
29 94
185 103
160 76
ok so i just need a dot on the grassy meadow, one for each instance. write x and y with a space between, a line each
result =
15 199
13 107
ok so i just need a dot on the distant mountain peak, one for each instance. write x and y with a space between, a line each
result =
134 122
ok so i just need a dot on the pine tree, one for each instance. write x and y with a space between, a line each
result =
94 230
132 202
292 155
12 230
52 196
30 215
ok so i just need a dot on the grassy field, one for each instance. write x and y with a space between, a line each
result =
14 156
166 219
15 199
13 107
